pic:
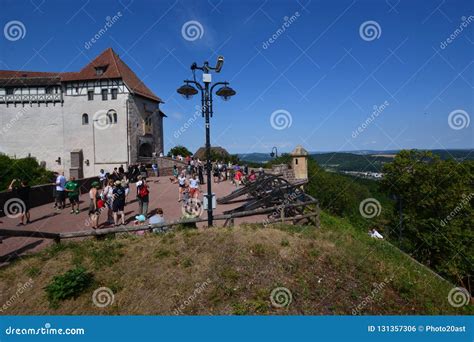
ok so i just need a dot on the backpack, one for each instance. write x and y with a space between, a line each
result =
143 191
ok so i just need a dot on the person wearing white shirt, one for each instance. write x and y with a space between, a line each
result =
60 191
102 178
194 187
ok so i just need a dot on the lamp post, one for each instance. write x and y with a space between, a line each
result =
274 154
225 92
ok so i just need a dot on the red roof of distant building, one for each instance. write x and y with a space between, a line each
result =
113 67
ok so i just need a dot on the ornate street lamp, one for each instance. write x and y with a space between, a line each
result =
225 92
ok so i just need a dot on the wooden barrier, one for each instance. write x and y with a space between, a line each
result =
29 233
229 219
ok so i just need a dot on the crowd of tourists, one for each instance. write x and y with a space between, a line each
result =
108 196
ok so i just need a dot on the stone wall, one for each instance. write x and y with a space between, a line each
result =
285 171
165 165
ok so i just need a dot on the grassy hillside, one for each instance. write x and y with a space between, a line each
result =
332 270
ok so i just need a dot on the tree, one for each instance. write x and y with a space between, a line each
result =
438 217
25 169
179 150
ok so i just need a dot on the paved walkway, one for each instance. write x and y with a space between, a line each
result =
45 218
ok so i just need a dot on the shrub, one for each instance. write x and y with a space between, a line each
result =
68 285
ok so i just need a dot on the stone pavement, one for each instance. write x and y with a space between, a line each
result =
45 218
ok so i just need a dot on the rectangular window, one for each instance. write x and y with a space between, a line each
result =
104 94
9 90
90 95
114 93
49 90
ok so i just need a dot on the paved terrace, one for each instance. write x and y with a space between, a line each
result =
45 218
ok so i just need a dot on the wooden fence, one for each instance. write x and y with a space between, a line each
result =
313 216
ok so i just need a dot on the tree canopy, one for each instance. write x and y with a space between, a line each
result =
179 150
24 169
438 217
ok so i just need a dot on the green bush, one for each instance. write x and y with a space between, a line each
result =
24 168
68 285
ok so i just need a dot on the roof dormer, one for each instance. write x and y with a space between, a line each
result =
100 70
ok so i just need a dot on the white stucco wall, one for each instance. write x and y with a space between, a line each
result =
54 130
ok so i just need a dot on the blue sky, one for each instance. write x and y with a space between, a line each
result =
322 74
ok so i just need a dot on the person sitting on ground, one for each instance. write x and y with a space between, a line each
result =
73 192
157 219
118 205
375 234
21 192
140 221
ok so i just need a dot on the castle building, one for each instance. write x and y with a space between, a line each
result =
80 122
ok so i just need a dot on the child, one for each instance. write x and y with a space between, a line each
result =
139 221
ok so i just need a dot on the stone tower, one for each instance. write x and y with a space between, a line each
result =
299 162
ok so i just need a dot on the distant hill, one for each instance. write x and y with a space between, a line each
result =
363 160
255 157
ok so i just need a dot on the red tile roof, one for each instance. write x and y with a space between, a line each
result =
114 68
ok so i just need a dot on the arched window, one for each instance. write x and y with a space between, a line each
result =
85 119
112 116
